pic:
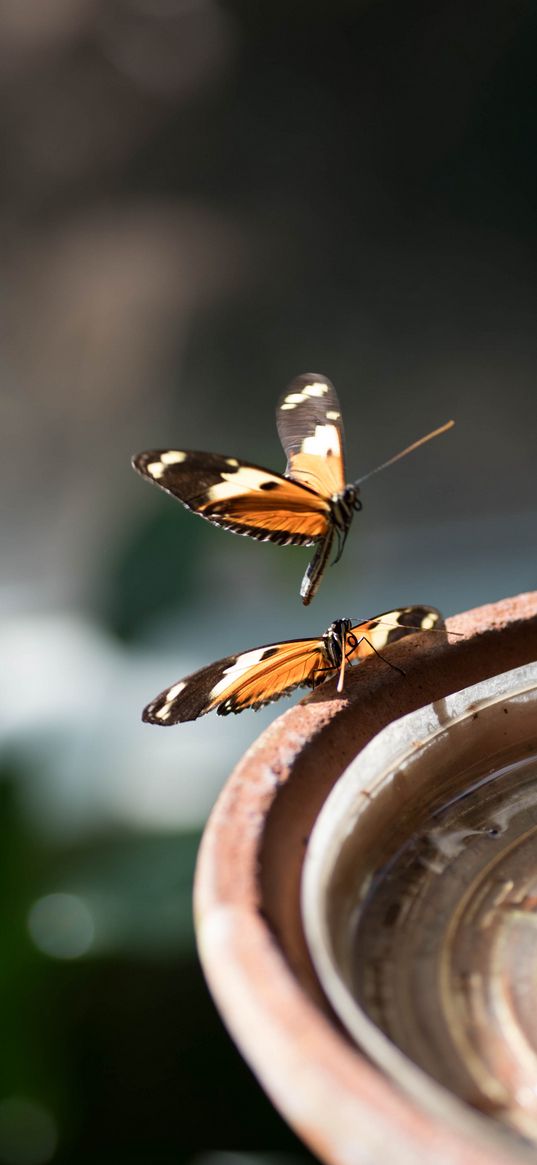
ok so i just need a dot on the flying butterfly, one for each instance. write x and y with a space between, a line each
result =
259 676
309 505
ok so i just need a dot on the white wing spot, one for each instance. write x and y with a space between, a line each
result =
156 468
235 484
162 712
232 461
292 400
173 693
236 669
172 457
316 389
428 622
332 415
324 442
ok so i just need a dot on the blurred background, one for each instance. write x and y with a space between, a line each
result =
201 199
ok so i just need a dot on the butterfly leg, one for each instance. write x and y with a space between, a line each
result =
316 567
364 639
321 671
341 540
353 644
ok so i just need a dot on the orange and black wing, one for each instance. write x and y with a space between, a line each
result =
248 680
259 676
375 635
237 496
310 428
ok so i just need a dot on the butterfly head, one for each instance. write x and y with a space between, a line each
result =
334 640
351 497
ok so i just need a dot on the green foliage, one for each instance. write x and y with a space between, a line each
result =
123 1046
157 567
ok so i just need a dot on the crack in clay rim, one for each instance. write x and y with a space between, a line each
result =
396 750
246 900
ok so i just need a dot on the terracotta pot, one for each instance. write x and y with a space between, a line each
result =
249 924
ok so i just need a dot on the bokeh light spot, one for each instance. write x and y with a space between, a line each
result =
62 926
28 1134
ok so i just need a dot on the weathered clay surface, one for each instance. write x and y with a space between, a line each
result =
247 896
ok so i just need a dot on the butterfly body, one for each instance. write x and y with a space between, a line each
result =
264 674
309 505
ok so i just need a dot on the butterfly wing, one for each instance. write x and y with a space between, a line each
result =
259 676
247 680
376 634
237 496
311 432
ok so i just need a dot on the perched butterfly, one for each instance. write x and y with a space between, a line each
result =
310 505
257 677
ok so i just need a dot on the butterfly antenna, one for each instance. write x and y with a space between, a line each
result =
409 449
